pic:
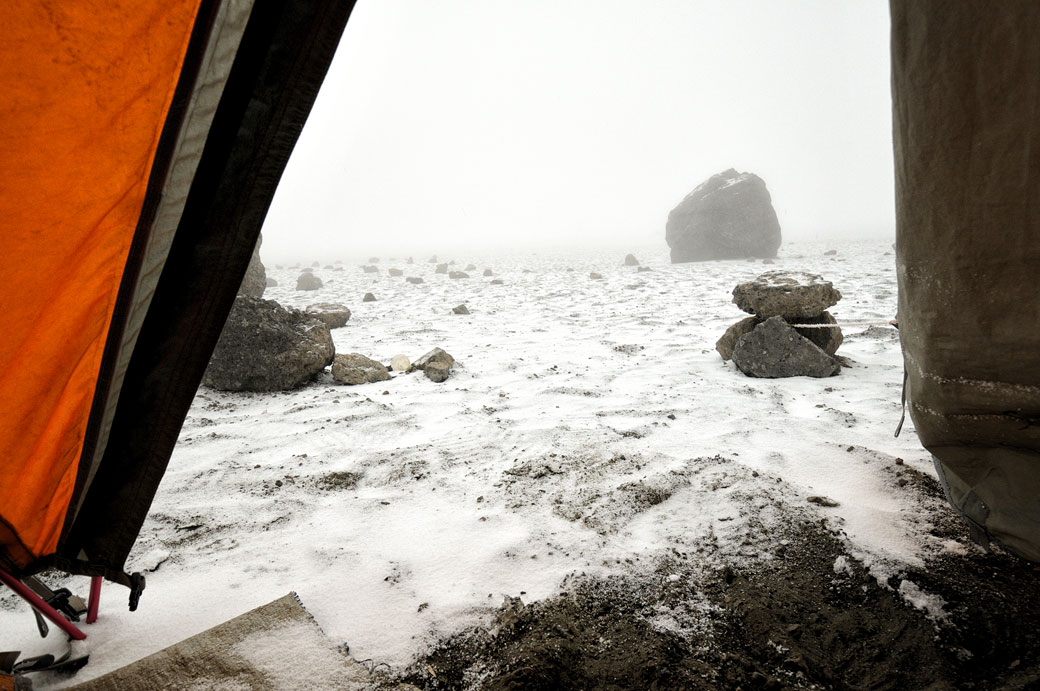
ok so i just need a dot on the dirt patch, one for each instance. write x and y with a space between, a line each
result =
810 618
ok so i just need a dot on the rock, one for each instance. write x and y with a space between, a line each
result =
356 369
369 297
458 274
255 280
308 281
789 294
333 314
460 309
497 282
729 339
330 267
436 372
441 269
271 283
595 276
487 272
828 340
774 349
822 501
640 269
400 363
373 260
830 253
315 264
470 267
436 364
306 270
370 269
396 272
414 280
432 260
266 347
729 216
630 260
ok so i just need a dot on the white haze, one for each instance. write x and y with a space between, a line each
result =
474 124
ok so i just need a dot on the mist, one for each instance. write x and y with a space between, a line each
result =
485 125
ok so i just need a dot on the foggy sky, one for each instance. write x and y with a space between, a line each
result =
453 124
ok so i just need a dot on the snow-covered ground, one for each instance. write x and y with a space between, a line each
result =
588 425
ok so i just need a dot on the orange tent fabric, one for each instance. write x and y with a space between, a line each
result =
87 87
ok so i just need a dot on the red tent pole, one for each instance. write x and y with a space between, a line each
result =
94 600
37 603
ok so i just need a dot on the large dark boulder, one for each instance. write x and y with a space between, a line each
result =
729 216
266 347
255 280
774 349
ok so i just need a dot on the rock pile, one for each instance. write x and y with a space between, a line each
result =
766 344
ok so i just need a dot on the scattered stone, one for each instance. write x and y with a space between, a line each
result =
255 280
822 501
458 274
436 364
526 271
333 314
308 281
487 272
266 347
774 349
414 280
354 369
729 216
788 294
369 297
630 260
470 267
641 269
370 269
400 363
432 260
595 276
270 282
830 253
306 269
330 267
729 339
460 309
396 272
373 260
441 269
497 282
315 264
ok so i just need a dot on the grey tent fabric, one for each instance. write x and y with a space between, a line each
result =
277 646
966 108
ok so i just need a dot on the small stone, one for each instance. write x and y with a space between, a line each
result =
369 297
830 253
436 372
470 267
396 272
458 274
497 282
370 269
822 501
308 281
414 280
630 260
441 269
460 309
400 363
487 272
641 269
595 276
354 369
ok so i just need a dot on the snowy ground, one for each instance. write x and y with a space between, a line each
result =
589 425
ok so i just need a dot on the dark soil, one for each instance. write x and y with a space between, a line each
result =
788 622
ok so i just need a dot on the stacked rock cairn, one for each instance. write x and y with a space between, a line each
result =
773 343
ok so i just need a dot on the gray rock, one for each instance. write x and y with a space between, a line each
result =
432 260
414 280
470 267
595 276
308 281
458 274
774 349
828 340
373 260
333 314
441 269
369 297
266 347
357 369
315 264
396 272
497 282
487 272
830 253
370 269
729 216
630 260
460 309
436 364
729 339
789 294
271 283
255 280
641 269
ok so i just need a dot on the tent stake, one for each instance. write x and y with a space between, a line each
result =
94 600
